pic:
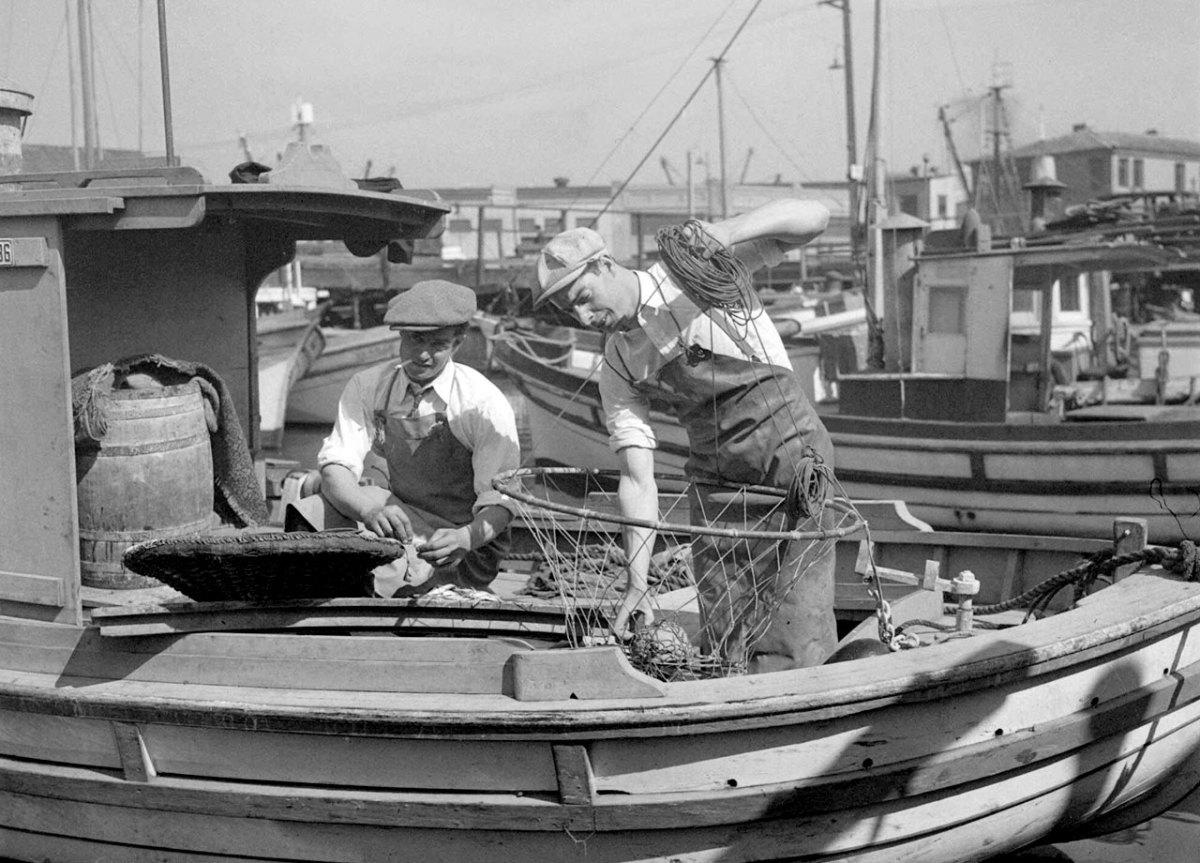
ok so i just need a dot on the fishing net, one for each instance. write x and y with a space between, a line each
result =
723 560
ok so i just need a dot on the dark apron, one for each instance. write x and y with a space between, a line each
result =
430 470
750 423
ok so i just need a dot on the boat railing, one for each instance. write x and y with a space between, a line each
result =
542 349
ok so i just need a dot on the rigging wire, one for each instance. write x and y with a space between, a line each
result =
950 44
62 28
762 128
655 98
679 113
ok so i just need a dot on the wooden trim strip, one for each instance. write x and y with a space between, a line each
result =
576 784
32 589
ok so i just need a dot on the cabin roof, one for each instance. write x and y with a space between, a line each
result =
169 198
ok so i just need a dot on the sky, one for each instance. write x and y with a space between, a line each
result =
499 92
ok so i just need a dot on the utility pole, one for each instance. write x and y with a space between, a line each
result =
717 62
853 172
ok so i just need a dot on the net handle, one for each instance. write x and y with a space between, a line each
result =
509 483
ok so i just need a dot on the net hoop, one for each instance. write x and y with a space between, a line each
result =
509 483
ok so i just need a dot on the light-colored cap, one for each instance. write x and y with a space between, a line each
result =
564 258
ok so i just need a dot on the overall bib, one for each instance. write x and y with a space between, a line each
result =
430 471
751 423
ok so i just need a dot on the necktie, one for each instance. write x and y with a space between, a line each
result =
415 392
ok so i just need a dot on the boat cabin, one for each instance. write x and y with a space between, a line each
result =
100 266
984 334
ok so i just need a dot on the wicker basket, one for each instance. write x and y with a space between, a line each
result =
253 566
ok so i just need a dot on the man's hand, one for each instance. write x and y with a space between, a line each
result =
388 520
447 546
635 604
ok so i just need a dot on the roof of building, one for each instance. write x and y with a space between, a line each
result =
1085 138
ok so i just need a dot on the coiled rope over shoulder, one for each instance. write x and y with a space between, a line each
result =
709 273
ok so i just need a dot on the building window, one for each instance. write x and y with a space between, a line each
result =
553 226
943 208
458 226
910 204
1139 173
527 226
1180 176
1023 300
585 221
1122 172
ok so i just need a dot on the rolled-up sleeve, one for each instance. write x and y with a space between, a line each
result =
491 429
350 440
626 412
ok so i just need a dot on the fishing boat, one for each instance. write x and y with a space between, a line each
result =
996 409
137 724
289 343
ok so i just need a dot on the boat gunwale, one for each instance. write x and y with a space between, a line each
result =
686 708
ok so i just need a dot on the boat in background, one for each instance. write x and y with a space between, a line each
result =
289 343
996 409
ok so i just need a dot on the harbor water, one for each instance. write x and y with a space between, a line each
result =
1173 837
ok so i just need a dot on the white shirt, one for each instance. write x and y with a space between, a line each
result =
478 415
668 324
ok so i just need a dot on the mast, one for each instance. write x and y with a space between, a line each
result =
852 170
72 87
87 84
168 131
958 165
717 62
878 170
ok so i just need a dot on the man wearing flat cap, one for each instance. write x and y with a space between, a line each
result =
722 369
444 430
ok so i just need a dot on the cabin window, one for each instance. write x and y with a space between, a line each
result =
947 307
1180 176
1139 173
585 221
527 226
943 206
1122 172
1068 295
553 226
458 226
1023 300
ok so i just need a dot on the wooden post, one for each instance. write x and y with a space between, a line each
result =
641 240
1129 535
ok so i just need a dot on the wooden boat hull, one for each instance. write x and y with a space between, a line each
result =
324 747
1063 478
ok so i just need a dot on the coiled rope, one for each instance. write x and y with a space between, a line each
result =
709 273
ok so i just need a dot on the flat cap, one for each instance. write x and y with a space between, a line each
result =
430 305
564 258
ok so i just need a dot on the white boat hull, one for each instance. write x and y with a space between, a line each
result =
1063 478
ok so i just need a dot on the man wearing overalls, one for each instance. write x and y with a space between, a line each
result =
444 430
730 383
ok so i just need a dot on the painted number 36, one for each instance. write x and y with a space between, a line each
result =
6 256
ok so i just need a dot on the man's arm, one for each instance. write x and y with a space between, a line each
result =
375 507
637 495
790 223
449 545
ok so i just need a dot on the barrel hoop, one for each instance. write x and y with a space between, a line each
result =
162 408
104 450
137 535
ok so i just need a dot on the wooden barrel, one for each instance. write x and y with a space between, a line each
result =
151 476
